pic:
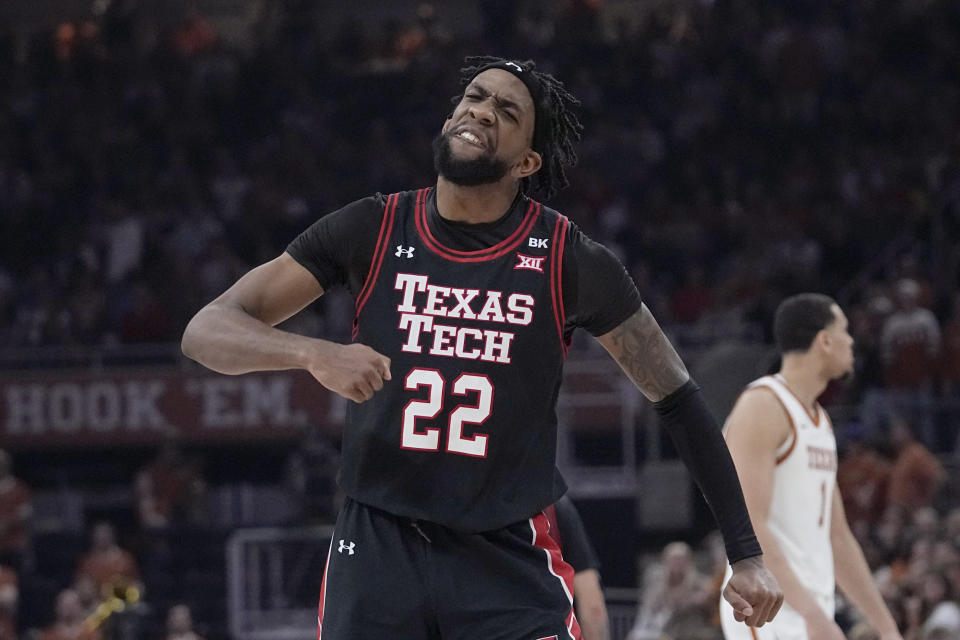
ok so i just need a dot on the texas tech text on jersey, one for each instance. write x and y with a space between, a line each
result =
423 302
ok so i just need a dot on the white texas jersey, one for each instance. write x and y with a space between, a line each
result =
799 519
803 483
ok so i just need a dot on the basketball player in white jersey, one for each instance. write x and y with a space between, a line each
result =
785 452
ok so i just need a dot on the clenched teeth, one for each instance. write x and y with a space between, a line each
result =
469 137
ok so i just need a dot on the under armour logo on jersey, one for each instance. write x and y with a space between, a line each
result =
347 547
548 638
530 262
538 243
514 65
408 252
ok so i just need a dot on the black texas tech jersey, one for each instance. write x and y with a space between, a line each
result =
465 432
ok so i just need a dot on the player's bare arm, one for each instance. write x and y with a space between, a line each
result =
645 354
591 607
755 430
235 333
853 574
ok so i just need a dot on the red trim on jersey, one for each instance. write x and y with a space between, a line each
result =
556 277
382 240
814 418
501 248
793 427
557 566
551 513
573 627
323 591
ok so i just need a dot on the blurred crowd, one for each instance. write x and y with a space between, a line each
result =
735 152
100 594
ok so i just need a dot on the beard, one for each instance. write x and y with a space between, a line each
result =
484 169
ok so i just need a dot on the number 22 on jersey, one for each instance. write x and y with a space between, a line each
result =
463 414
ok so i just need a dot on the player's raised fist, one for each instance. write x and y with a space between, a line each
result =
354 371
753 592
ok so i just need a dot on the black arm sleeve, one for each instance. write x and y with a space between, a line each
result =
338 248
598 293
702 448
577 550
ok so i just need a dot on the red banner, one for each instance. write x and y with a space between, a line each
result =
144 407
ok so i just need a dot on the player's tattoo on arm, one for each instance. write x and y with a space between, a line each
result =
646 355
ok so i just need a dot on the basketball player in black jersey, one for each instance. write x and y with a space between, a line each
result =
467 293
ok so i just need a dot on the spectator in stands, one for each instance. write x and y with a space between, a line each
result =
112 569
9 598
69 623
180 624
946 555
673 589
910 350
916 475
924 523
16 509
862 477
888 533
913 615
944 620
169 489
866 325
902 559
918 564
941 602
715 569
89 594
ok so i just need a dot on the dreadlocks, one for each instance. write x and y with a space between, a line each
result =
556 127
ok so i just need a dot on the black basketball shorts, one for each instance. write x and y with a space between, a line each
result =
392 577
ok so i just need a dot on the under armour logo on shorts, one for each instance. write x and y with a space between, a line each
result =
347 547
408 252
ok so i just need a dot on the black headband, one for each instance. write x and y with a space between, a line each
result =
532 83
